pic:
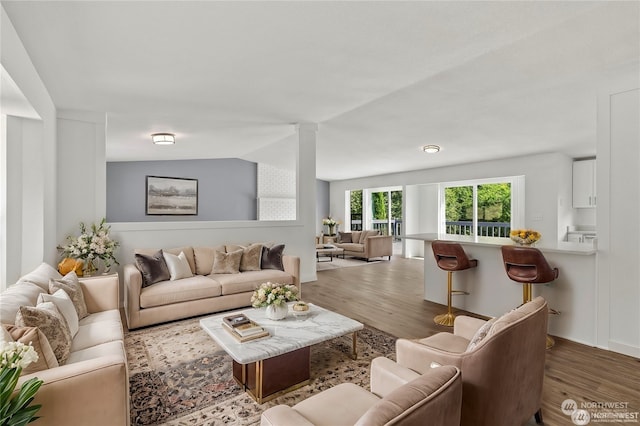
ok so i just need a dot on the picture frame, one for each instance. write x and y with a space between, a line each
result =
171 196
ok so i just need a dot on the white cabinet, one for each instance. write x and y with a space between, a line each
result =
584 184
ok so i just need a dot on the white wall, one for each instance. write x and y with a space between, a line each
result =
548 201
618 209
37 159
297 235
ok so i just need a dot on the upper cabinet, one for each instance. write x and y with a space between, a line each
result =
584 184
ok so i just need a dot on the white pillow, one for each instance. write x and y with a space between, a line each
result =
41 276
178 265
65 305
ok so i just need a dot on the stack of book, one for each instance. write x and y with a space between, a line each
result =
242 328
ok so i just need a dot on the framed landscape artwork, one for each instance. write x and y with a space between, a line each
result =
171 196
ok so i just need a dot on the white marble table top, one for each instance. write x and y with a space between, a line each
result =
286 335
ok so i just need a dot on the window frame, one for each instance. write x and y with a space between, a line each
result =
517 202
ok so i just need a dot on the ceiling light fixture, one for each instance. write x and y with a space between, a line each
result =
163 138
431 149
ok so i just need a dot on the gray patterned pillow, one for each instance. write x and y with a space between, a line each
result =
50 321
70 284
480 334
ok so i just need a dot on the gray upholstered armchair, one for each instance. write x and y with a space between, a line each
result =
398 396
501 360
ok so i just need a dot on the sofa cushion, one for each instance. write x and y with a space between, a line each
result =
344 237
272 257
97 332
153 267
204 258
355 236
184 290
251 258
70 284
226 263
366 234
41 276
341 404
110 315
446 342
351 247
104 349
250 280
37 339
22 293
50 321
65 305
178 266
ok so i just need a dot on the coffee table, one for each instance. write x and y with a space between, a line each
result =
329 251
271 366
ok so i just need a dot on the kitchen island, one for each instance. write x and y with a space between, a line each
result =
492 293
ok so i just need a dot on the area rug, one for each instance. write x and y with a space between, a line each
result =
338 262
179 376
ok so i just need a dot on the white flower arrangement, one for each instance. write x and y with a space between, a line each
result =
93 243
329 221
15 410
273 294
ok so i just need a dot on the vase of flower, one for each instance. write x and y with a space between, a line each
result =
89 268
277 312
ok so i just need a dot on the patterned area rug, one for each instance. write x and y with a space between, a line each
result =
180 376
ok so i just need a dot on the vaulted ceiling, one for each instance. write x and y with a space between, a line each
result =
481 79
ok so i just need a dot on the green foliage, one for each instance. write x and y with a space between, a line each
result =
379 203
16 411
356 201
494 203
396 204
459 203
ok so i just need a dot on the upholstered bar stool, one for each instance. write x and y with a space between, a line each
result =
450 257
527 265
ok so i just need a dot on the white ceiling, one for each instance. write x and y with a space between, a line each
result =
482 79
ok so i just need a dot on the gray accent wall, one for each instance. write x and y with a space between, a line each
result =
322 205
227 189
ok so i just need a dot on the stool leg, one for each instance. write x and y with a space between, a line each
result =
448 318
550 342
526 293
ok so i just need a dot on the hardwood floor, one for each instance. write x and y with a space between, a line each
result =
389 297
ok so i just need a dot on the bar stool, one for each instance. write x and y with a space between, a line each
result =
527 265
450 257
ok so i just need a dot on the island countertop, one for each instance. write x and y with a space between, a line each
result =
544 246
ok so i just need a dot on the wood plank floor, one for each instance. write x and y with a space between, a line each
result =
389 297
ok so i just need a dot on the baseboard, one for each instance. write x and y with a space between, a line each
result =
624 349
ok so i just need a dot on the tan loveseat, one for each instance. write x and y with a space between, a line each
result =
365 244
502 363
200 294
430 399
92 387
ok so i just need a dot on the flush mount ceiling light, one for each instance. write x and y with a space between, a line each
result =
431 149
163 138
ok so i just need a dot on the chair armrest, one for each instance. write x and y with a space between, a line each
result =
132 288
387 375
91 392
283 415
378 246
418 357
101 293
292 266
467 326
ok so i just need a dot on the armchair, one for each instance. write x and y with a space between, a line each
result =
398 396
502 363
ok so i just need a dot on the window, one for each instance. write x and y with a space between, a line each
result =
485 207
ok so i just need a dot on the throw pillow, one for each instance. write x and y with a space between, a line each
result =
226 263
50 321
178 266
41 276
65 305
6 337
366 234
344 237
272 257
35 337
251 256
153 268
481 333
70 284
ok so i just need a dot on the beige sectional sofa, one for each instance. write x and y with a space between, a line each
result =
365 244
204 292
92 386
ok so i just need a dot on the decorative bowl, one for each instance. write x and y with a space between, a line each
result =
524 237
